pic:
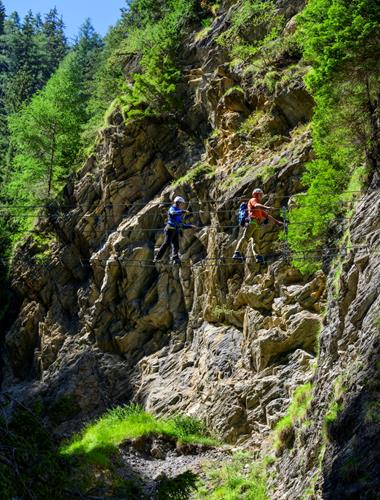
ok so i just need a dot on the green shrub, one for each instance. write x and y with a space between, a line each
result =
338 39
177 488
330 418
334 408
156 41
372 412
251 122
63 409
377 322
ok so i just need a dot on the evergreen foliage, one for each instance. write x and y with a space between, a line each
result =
149 33
31 51
46 132
340 39
155 39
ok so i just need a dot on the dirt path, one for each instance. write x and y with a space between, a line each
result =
163 469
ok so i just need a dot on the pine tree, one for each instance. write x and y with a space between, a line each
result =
24 73
30 52
87 49
47 132
54 42
2 18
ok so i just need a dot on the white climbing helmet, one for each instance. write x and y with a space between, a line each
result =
257 191
179 199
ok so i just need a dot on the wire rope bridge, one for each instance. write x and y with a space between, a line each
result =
286 254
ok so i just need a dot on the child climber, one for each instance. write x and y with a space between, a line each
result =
173 229
257 216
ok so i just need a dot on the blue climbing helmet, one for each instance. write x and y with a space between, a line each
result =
243 214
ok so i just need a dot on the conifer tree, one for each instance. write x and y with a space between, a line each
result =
46 133
54 42
87 48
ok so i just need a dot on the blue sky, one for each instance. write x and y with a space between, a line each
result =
74 12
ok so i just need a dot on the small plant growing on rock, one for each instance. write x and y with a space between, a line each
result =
199 171
285 428
331 416
334 408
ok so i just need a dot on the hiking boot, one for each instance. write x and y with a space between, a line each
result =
238 256
260 259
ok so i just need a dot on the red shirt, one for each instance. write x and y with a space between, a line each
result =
256 213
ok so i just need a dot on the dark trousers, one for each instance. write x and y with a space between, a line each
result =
171 238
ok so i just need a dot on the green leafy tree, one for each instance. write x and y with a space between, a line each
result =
30 52
156 41
108 78
3 69
340 39
46 132
46 135
254 25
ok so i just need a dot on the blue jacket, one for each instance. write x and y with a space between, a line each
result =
175 219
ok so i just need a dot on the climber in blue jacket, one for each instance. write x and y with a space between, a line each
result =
173 229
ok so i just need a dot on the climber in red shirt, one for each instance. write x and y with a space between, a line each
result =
257 215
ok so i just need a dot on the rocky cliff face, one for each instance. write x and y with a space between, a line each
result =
99 323
338 458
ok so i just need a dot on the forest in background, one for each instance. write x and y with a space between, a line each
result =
54 98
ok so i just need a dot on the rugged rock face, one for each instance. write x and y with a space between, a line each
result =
100 324
341 459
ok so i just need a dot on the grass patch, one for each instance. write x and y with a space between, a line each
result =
332 413
240 479
285 428
233 89
99 440
221 313
251 122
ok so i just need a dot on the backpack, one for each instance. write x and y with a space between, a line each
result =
243 214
